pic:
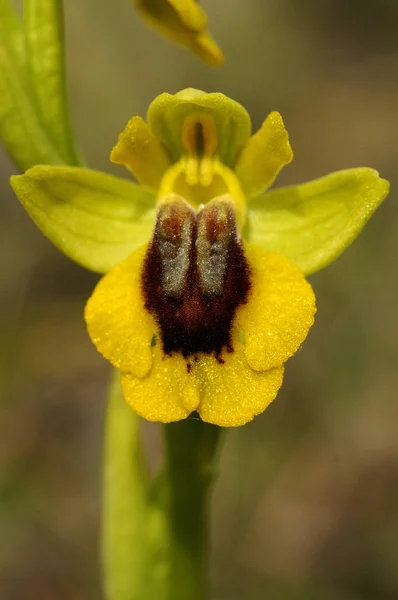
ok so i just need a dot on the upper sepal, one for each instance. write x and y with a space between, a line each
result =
313 223
167 115
97 220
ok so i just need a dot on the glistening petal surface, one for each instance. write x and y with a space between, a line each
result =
116 318
313 223
279 312
168 393
232 393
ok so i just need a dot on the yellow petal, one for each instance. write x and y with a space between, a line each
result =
168 393
264 155
205 46
142 153
184 22
191 13
266 331
232 393
279 312
116 318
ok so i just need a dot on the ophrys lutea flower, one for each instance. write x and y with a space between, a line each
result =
211 299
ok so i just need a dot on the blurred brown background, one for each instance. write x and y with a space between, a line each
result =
306 507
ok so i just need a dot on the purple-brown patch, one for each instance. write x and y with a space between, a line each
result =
195 276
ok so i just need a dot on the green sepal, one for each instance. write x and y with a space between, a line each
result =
313 223
167 113
45 62
97 220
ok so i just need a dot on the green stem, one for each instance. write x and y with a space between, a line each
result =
154 534
191 448
125 500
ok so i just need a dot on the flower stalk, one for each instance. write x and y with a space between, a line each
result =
191 458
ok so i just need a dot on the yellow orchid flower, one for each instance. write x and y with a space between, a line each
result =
196 321
205 296
183 22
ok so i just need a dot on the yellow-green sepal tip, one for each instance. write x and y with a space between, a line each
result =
93 218
313 223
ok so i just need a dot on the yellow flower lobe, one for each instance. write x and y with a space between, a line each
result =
117 321
280 310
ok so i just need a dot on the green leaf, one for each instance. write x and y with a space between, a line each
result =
125 511
11 31
20 128
44 34
313 223
95 219
167 113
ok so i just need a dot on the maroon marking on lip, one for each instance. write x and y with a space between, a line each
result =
196 321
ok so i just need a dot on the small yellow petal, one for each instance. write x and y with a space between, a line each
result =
116 318
142 153
191 13
184 22
264 155
279 312
232 393
168 393
204 46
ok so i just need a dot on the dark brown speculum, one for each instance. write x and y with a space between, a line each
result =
195 275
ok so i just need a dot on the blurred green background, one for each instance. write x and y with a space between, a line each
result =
306 506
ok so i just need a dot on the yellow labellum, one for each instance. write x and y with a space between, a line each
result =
228 390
